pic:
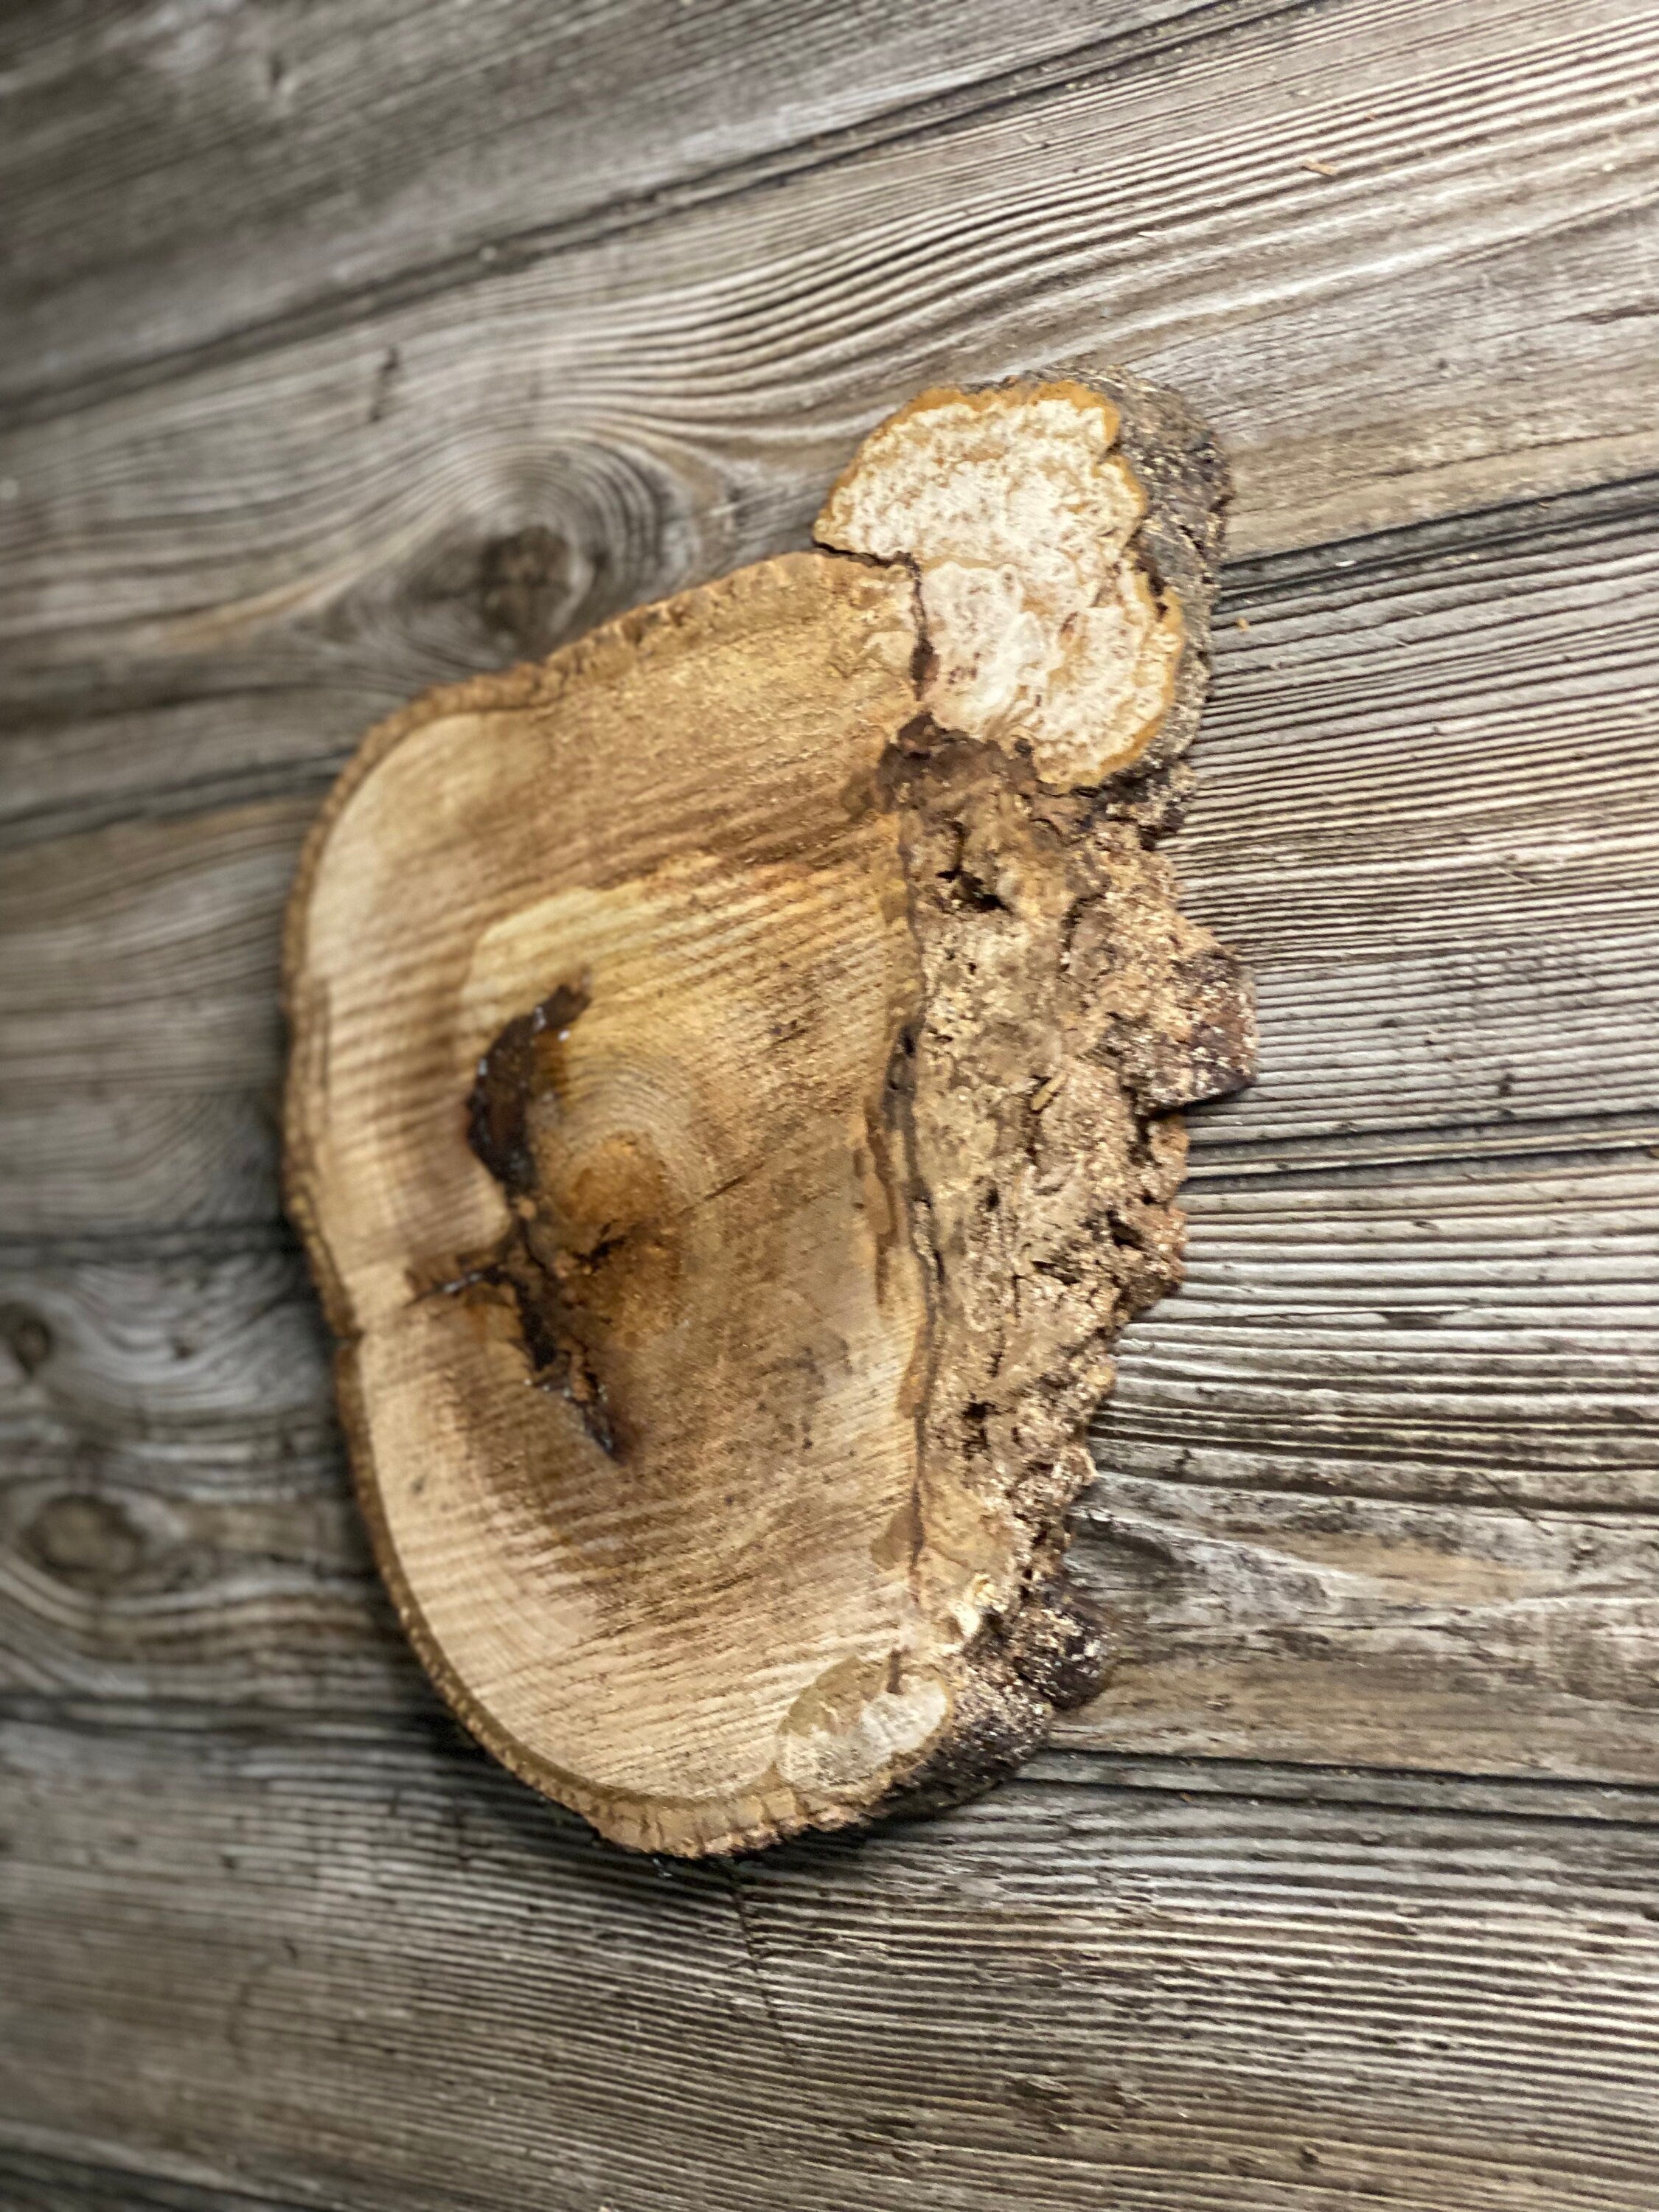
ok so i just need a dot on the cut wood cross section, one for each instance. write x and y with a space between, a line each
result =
734 1106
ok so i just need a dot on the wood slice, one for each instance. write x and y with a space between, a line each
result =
732 1108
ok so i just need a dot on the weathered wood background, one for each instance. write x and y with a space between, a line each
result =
350 348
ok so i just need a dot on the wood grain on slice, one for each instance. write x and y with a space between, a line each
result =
731 1113
649 898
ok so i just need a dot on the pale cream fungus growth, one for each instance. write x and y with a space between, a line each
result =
1017 514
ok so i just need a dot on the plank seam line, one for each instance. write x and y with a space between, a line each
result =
1136 1773
1461 535
1097 1514
916 121
21 2151
1539 1142
1218 1775
264 1236
1251 581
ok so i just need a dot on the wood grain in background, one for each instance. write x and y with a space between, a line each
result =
33 2183
132 146
346 356
235 567
1161 1985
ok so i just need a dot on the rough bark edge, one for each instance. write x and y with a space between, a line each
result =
1051 1650
1188 487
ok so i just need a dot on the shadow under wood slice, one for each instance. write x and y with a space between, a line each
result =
732 1110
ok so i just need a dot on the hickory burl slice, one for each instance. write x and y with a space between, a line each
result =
731 1111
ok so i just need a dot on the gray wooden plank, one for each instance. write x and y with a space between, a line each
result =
149 948
1378 1485
369 145
118 1161
1381 1494
175 1517
600 427
1422 750
1482 1330
369 1970
1334 644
